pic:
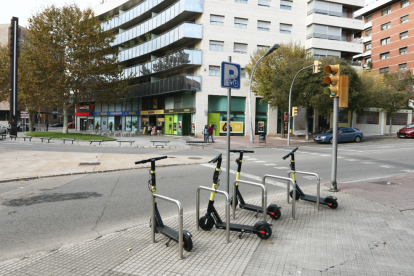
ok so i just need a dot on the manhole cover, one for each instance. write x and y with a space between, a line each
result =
90 164
384 183
194 158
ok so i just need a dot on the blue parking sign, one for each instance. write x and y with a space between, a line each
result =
230 75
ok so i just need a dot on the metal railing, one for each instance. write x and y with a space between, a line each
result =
334 37
264 196
318 185
227 209
294 190
180 222
336 14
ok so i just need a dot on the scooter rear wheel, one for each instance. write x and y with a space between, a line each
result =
297 195
274 212
334 204
206 223
187 243
266 229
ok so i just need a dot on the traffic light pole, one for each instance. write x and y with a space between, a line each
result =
13 45
334 144
290 103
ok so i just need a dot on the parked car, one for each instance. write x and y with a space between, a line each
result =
20 128
406 132
3 129
71 125
60 124
345 134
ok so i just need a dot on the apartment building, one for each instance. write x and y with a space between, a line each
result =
388 35
175 48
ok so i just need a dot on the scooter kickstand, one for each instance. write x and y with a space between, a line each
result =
240 235
168 243
257 214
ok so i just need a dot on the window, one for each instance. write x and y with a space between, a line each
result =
403 51
367 60
404 35
55 113
240 23
285 28
343 117
263 26
216 45
386 26
264 3
384 70
240 48
214 70
260 47
385 41
384 55
369 18
349 130
216 20
242 73
405 3
399 119
368 46
368 32
404 19
241 1
285 5
402 67
386 11
370 118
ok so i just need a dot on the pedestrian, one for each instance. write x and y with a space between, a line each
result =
120 127
205 132
47 125
210 132
110 126
149 129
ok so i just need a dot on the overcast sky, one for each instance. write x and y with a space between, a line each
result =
23 9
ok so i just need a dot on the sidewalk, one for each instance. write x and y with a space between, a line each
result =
366 235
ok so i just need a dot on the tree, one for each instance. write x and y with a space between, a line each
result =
72 59
4 73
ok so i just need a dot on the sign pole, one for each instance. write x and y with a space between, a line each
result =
334 144
228 137
13 37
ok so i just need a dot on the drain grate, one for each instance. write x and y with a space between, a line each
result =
194 158
384 183
90 164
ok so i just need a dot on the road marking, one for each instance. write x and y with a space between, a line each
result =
252 159
254 177
245 156
387 166
309 177
325 155
409 171
368 162
259 161
351 160
339 157
281 168
270 164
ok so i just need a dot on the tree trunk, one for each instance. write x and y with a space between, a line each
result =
390 125
306 124
65 119
30 121
282 126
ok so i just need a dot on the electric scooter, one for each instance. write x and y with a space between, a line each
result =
273 210
159 225
329 201
261 228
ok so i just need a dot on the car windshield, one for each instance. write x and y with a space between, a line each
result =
329 131
410 126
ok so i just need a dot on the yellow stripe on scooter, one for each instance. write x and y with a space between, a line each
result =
152 171
294 176
237 177
213 193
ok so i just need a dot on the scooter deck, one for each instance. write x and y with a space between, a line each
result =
312 198
169 232
236 227
251 207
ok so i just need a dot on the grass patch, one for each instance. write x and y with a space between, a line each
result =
76 136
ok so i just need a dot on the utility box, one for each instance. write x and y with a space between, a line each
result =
262 138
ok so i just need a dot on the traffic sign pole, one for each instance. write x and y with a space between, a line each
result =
228 137
334 187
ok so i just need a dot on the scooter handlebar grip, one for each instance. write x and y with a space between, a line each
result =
244 151
287 155
215 159
149 160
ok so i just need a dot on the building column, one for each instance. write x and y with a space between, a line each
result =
382 122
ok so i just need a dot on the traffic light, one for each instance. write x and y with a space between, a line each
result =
343 91
294 111
316 66
332 80
11 40
285 116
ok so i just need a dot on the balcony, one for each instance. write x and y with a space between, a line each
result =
323 41
333 13
169 85
179 59
334 37
336 19
368 25
364 54
366 39
173 15
175 37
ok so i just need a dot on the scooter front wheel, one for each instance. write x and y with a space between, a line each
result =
333 204
297 195
274 212
206 223
264 231
187 243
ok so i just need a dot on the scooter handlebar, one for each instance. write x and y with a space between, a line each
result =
290 153
244 151
151 159
215 159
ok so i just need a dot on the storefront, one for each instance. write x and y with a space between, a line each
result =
124 120
84 116
261 117
217 115
153 118
180 121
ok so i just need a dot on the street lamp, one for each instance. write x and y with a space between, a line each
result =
271 50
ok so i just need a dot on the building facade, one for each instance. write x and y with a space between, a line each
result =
175 49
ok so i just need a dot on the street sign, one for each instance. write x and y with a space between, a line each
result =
230 75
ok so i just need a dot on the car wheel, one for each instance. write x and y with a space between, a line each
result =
358 139
330 141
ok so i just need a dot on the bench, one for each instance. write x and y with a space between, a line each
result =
95 141
125 141
13 136
67 139
196 142
159 141
27 137
3 136
45 138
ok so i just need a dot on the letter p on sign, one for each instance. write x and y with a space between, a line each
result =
230 75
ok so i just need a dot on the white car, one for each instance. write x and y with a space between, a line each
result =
3 129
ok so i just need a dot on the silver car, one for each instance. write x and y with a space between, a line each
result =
3 129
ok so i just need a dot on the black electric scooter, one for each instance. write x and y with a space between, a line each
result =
273 210
329 201
261 228
159 225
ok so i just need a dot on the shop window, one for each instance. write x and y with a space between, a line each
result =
55 113
370 118
399 119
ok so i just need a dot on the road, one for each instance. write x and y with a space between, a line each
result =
45 214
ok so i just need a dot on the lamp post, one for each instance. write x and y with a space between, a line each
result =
271 50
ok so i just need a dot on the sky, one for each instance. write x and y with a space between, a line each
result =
23 9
